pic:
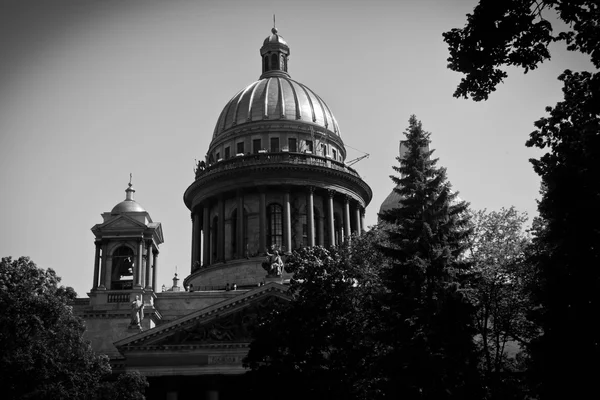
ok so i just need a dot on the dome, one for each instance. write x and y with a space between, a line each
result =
127 206
276 98
391 202
274 38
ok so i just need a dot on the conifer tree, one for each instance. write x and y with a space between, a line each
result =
431 321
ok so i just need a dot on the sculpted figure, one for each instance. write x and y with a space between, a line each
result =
275 263
137 311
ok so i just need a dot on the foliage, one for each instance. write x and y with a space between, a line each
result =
567 238
565 245
516 33
500 275
431 323
127 386
324 343
42 351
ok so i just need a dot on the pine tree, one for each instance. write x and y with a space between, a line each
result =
431 321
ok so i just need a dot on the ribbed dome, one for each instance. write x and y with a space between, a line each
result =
127 206
276 98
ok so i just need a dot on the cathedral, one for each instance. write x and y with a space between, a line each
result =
274 179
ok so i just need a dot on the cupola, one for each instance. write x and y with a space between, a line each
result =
274 53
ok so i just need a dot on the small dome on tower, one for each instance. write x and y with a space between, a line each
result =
274 38
129 204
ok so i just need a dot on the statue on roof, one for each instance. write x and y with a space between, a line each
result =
137 312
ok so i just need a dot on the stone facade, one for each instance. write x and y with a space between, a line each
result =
274 180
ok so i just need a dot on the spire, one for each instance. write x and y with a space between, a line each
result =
274 53
129 191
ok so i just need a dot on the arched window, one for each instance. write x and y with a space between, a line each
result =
337 227
234 231
274 225
274 62
304 224
122 268
316 225
266 63
213 239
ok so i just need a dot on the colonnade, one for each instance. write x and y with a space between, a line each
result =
145 267
202 230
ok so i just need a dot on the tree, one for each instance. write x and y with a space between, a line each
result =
43 354
431 323
127 386
500 275
516 33
566 240
324 343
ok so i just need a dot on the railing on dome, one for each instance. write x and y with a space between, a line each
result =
273 158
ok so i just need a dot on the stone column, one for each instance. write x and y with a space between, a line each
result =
105 273
262 222
195 239
310 216
357 216
330 217
148 263
240 225
287 221
221 230
206 232
154 270
347 231
96 266
362 219
138 267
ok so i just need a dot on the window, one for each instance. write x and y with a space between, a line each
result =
309 145
274 145
274 225
323 149
240 148
227 153
122 268
256 145
238 250
274 62
316 225
334 154
234 217
218 156
293 145
339 233
304 229
214 230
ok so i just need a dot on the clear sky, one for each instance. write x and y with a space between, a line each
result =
92 90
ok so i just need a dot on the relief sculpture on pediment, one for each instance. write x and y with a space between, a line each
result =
234 327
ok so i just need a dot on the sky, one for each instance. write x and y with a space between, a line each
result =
93 90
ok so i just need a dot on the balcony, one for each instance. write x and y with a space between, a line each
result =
248 160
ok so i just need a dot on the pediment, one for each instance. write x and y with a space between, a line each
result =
225 324
121 222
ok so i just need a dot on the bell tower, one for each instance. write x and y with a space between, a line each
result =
126 259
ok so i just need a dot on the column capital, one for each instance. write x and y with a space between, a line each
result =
331 193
